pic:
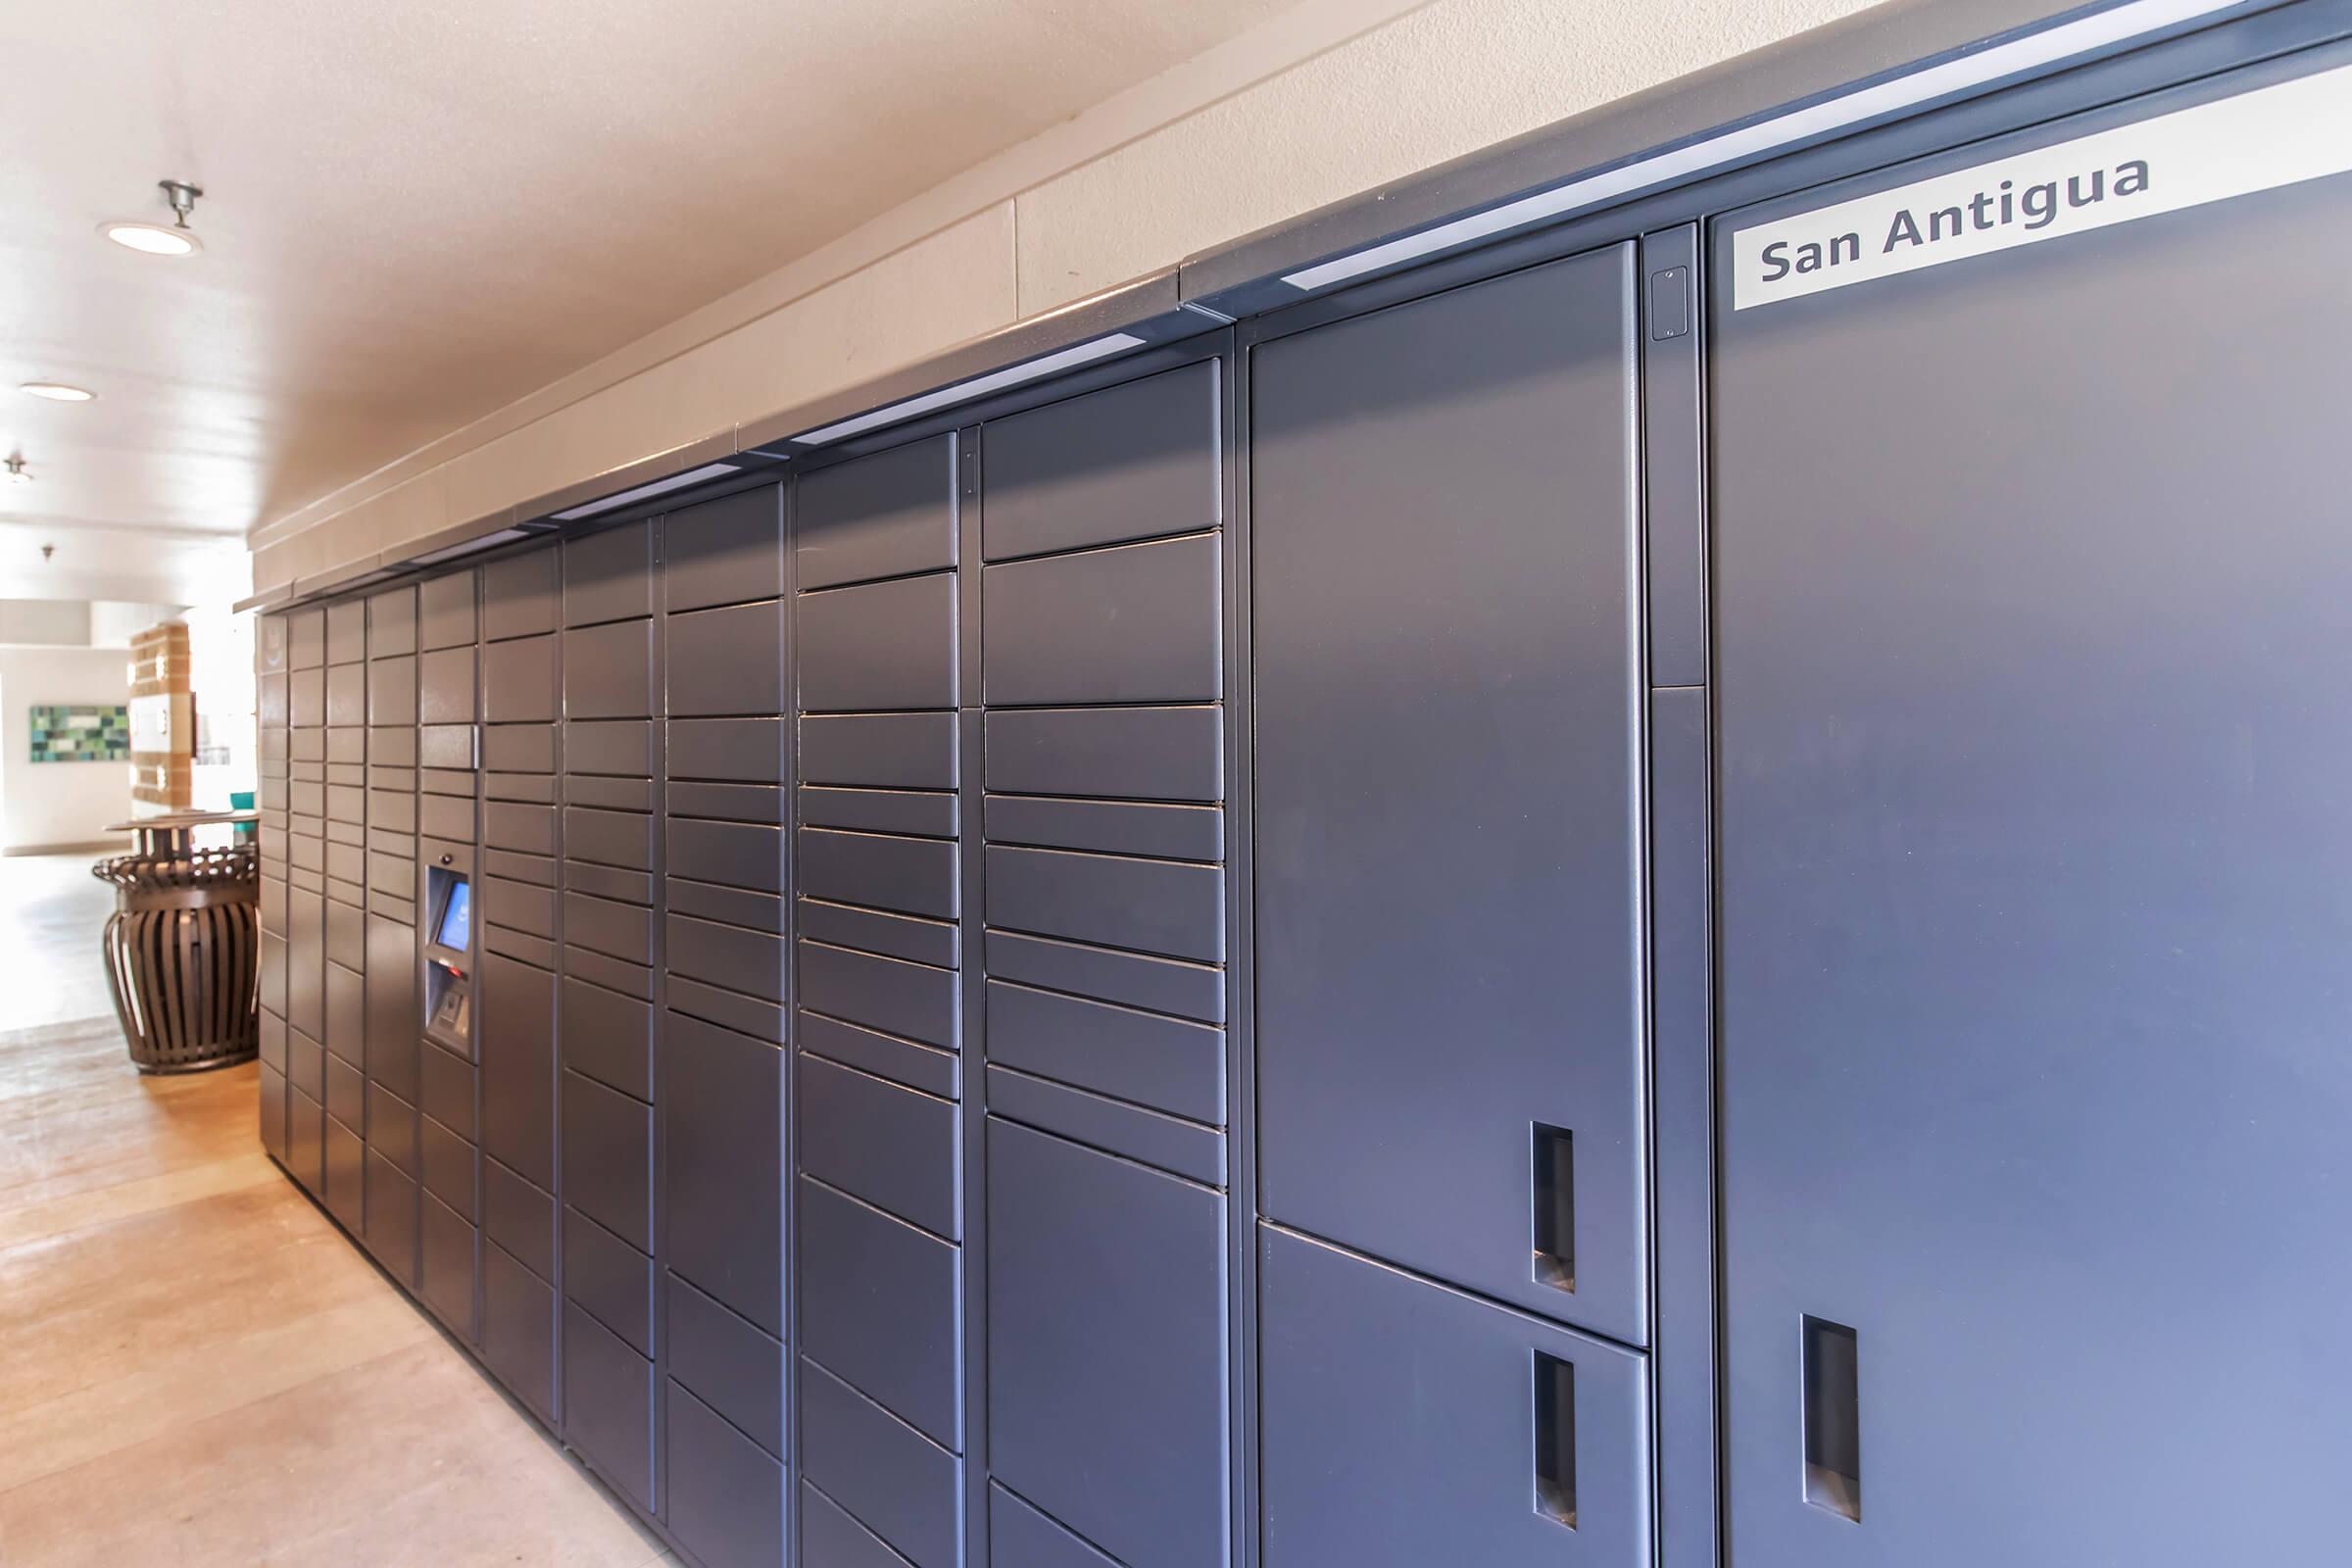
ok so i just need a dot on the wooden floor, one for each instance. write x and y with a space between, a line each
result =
196 1367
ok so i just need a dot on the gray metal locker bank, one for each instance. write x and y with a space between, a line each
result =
1637 857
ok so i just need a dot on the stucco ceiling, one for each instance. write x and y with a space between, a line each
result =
416 211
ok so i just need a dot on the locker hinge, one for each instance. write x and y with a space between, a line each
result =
1668 303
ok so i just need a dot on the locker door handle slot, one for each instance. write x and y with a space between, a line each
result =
1555 1439
1554 1206
1833 1418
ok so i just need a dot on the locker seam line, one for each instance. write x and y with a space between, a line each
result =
875 1077
1183 1122
905 1039
851 1516
1218 963
1108 1001
1470 1293
1054 1519
1213 1189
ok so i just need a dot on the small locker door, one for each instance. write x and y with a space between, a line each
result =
1449 1014
1405 1425
2031 586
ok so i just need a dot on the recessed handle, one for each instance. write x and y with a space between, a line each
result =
1833 1418
1552 1203
1555 1439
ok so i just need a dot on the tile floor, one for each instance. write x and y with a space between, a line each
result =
197 1368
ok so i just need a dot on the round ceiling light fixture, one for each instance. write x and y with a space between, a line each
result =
159 239
57 392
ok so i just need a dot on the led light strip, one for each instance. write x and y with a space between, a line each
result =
485 542
676 482
1081 354
2131 20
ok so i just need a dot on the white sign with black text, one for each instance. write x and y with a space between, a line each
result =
2258 140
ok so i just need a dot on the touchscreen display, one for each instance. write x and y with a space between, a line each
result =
456 917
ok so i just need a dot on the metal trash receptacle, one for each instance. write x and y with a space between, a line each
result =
182 948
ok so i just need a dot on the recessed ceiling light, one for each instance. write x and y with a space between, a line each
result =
58 391
158 240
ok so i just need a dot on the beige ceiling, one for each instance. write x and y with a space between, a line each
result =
417 211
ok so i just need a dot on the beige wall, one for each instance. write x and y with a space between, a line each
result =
1332 98
45 805
55 622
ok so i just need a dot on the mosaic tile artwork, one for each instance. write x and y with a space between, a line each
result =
81 734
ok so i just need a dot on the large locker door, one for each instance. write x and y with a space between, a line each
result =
2031 587
1449 1011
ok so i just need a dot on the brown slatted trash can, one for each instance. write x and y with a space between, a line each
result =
182 948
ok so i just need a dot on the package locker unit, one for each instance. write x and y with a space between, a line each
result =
1450 1011
392 1045
1538 912
273 678
990 1083
722 1135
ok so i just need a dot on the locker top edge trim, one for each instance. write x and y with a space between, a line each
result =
1143 313
1246 277
1876 67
